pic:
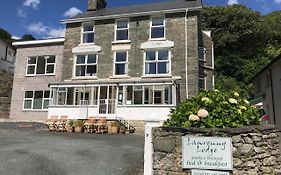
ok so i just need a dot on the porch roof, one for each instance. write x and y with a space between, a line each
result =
115 81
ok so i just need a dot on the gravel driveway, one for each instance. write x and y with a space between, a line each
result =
28 150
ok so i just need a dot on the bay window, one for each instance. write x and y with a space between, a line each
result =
121 63
86 65
157 28
41 65
36 100
88 33
157 62
122 30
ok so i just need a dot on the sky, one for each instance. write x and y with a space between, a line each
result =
41 18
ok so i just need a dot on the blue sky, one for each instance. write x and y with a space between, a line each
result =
41 17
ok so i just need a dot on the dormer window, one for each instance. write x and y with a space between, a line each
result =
88 33
122 30
157 28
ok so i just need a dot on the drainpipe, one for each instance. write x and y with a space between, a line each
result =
272 96
186 74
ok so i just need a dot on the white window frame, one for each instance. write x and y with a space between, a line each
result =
35 65
85 64
88 32
32 100
202 49
157 61
203 79
122 62
164 26
116 30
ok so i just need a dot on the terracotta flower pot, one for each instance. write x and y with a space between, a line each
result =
79 129
114 130
69 128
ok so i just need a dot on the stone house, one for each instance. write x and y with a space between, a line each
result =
7 57
133 63
267 84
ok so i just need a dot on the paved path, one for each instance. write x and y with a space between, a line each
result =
33 151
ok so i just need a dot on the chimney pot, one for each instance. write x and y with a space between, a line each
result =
94 5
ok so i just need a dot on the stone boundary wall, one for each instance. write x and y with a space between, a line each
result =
6 84
256 149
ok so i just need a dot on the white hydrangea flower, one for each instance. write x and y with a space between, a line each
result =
236 94
193 117
202 113
216 90
233 101
243 108
246 101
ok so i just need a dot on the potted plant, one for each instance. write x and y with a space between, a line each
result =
79 126
115 127
69 126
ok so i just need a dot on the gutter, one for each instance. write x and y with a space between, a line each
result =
186 52
272 96
130 15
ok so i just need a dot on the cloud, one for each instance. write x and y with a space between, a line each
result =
31 3
231 2
73 11
277 1
15 37
21 13
45 31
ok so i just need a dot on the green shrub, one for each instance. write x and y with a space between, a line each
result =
214 109
78 123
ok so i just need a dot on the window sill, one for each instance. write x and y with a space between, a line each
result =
86 44
85 78
157 76
119 77
35 110
121 42
43 75
157 39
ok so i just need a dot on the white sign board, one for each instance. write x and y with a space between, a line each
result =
206 172
211 153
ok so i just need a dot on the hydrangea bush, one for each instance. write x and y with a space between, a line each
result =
214 109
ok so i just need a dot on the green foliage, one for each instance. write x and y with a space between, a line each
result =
224 110
244 42
78 123
70 123
27 37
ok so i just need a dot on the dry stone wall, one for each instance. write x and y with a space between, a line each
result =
256 149
6 84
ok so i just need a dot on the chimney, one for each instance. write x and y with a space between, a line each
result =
94 5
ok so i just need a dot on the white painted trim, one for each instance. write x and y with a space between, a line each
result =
85 64
88 48
164 25
124 62
126 15
158 44
115 30
47 41
82 32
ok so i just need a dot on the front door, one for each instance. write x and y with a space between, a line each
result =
107 100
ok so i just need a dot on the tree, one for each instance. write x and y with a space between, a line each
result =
6 36
27 37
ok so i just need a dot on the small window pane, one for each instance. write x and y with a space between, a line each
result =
81 59
150 55
50 69
92 59
122 35
157 97
45 104
80 70
51 59
88 28
47 94
91 70
30 69
27 104
32 60
88 37
122 24
163 55
163 68
41 63
121 56
29 94
137 97
150 68
157 21
157 32
120 69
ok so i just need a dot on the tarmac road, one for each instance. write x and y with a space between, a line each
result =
33 151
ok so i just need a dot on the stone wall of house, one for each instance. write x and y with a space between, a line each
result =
255 149
138 34
6 84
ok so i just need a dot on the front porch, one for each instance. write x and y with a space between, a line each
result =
122 100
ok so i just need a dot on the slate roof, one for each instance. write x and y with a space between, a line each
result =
134 9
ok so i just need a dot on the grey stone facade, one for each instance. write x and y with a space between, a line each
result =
138 34
24 83
256 149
